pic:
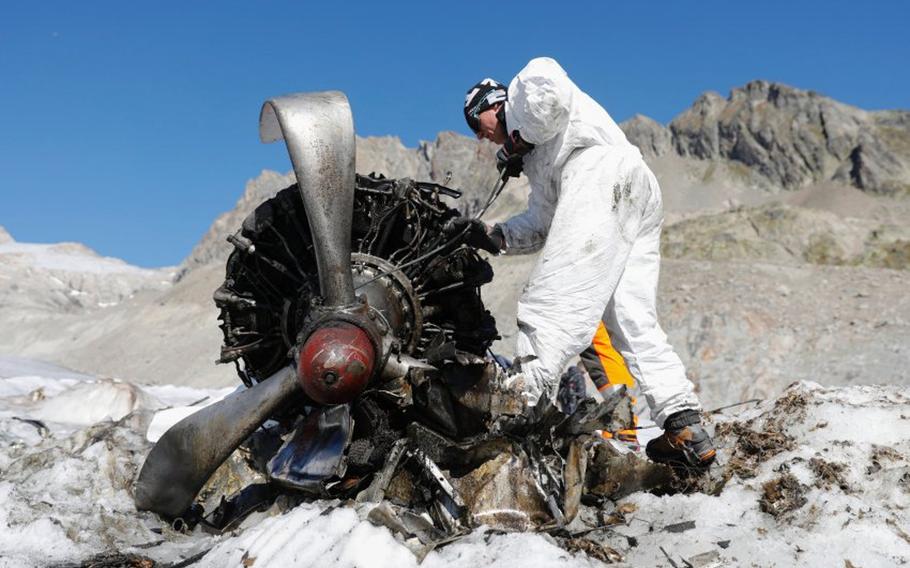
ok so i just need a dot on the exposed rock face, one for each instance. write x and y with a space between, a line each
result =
5 237
651 137
795 137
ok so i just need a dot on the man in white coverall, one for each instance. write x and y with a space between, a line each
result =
595 214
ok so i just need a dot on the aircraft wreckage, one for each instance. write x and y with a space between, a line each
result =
356 324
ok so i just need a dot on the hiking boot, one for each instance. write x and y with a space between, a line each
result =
683 443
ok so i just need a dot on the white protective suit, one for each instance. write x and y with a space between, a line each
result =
595 208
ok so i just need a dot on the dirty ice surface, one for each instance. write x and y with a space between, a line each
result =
817 477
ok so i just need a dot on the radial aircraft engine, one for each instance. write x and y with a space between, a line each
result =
337 288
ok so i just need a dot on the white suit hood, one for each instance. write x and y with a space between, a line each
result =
552 113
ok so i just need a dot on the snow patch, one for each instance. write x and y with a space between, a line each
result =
69 257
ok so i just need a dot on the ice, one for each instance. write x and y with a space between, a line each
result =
65 490
520 550
21 367
340 539
307 537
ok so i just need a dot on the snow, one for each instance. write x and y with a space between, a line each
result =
65 491
306 536
22 367
68 257
863 524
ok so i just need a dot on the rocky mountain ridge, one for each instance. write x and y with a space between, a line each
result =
791 137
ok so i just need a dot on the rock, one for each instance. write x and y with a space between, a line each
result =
213 247
5 237
651 137
695 131
795 137
69 278
870 166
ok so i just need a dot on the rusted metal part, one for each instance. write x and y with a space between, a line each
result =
335 363
447 507
574 477
291 274
393 303
376 491
433 302
398 366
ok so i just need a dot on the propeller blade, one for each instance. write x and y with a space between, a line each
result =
190 452
318 129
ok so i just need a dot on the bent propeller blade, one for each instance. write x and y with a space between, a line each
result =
318 130
190 452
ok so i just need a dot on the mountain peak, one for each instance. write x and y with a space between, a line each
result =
795 137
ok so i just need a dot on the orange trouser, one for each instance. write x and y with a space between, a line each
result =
607 368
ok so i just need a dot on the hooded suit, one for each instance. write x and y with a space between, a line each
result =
595 214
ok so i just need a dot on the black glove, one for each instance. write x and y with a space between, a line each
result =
475 234
509 165
571 390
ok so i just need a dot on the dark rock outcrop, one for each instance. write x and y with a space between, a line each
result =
795 137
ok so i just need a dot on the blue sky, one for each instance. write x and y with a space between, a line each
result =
130 126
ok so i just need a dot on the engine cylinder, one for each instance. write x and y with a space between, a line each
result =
336 363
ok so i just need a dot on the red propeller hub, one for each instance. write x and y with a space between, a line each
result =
336 363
